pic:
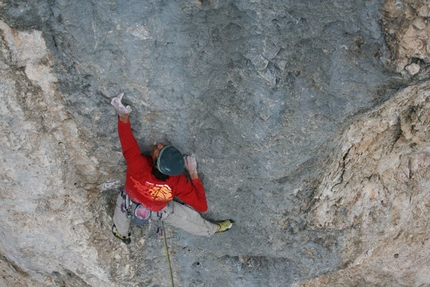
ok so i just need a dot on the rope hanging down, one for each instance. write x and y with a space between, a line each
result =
167 254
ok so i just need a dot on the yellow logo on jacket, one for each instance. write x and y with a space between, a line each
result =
156 192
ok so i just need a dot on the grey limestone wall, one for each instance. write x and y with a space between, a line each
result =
257 90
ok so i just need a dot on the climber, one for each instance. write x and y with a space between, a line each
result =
153 182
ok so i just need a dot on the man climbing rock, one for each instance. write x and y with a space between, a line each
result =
152 182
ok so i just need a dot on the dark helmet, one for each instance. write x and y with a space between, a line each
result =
170 161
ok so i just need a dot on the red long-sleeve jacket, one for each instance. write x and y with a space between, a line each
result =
142 186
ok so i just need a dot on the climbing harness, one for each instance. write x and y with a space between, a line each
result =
138 213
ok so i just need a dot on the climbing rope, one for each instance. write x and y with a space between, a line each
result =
167 254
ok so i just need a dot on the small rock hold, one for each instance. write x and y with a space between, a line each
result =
413 69
423 11
419 23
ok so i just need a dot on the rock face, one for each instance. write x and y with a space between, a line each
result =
377 191
45 167
407 34
291 109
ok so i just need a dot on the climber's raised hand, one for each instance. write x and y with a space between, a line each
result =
191 166
119 107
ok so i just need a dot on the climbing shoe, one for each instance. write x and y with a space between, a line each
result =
224 225
125 239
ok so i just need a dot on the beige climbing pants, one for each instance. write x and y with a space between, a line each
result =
175 214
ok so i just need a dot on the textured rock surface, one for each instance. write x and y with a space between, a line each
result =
377 191
259 91
408 34
45 167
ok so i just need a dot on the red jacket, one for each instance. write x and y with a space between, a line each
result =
142 186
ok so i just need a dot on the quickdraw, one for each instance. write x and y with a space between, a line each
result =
159 231
126 206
